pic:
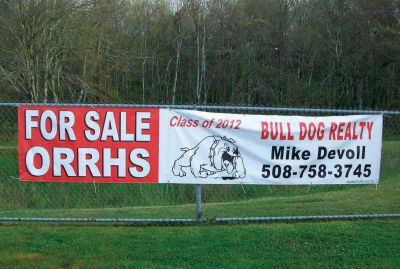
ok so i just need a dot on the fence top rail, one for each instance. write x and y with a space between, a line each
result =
216 107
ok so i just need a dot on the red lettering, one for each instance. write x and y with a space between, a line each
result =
290 136
320 132
173 120
281 136
347 134
340 131
354 132
362 125
264 130
274 136
332 131
369 128
303 130
311 131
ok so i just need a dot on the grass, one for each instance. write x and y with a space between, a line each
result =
357 244
337 244
362 200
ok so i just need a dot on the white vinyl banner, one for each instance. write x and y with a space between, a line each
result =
214 148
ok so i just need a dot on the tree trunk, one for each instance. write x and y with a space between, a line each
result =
177 59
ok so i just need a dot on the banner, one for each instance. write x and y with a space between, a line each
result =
82 144
141 145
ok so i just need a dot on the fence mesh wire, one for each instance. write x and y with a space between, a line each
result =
173 201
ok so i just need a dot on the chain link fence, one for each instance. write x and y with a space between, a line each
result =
173 203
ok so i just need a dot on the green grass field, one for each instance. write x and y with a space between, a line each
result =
337 244
356 244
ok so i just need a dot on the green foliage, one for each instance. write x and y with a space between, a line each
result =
286 53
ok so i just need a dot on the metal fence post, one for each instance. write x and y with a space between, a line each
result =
198 201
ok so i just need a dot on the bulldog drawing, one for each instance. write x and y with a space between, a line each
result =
212 157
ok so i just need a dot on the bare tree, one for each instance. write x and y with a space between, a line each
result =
196 10
37 29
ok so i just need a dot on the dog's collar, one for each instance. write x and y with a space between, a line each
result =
212 152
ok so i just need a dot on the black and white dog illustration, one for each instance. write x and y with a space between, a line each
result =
212 157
